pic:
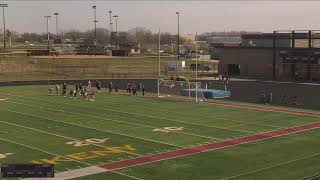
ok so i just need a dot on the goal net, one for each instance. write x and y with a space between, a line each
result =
181 89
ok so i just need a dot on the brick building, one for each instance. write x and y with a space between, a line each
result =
279 56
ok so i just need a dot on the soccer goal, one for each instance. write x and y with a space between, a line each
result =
180 89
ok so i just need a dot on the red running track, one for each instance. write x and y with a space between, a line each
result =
207 147
263 108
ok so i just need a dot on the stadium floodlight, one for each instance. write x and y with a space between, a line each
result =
48 35
116 17
178 36
110 19
95 22
196 43
57 29
4 5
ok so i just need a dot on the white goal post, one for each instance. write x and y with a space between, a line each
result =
180 89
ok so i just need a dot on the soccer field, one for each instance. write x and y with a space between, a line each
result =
128 137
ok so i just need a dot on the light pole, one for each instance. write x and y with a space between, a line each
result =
95 22
48 35
4 5
178 37
196 38
110 16
116 17
57 29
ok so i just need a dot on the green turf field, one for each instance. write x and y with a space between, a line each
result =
74 134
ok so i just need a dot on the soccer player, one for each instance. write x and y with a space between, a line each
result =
71 93
142 89
116 89
99 86
64 89
51 91
134 90
89 85
91 95
57 89
80 89
84 93
110 87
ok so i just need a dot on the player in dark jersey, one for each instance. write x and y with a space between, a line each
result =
64 89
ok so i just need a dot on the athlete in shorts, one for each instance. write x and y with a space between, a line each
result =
57 89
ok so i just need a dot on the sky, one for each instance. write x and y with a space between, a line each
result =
195 16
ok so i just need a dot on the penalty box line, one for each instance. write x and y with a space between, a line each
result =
208 147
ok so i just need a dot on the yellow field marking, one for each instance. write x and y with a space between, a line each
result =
80 156
61 136
272 166
47 152
88 127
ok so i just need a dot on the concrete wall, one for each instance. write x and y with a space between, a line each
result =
250 91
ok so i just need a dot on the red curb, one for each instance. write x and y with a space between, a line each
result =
208 147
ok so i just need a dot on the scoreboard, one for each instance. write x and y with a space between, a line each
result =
299 56
27 171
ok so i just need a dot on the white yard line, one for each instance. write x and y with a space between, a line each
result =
92 128
124 122
201 115
61 136
47 152
154 117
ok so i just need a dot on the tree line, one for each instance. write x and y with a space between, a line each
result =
138 35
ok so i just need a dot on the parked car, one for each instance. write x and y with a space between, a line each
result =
201 67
